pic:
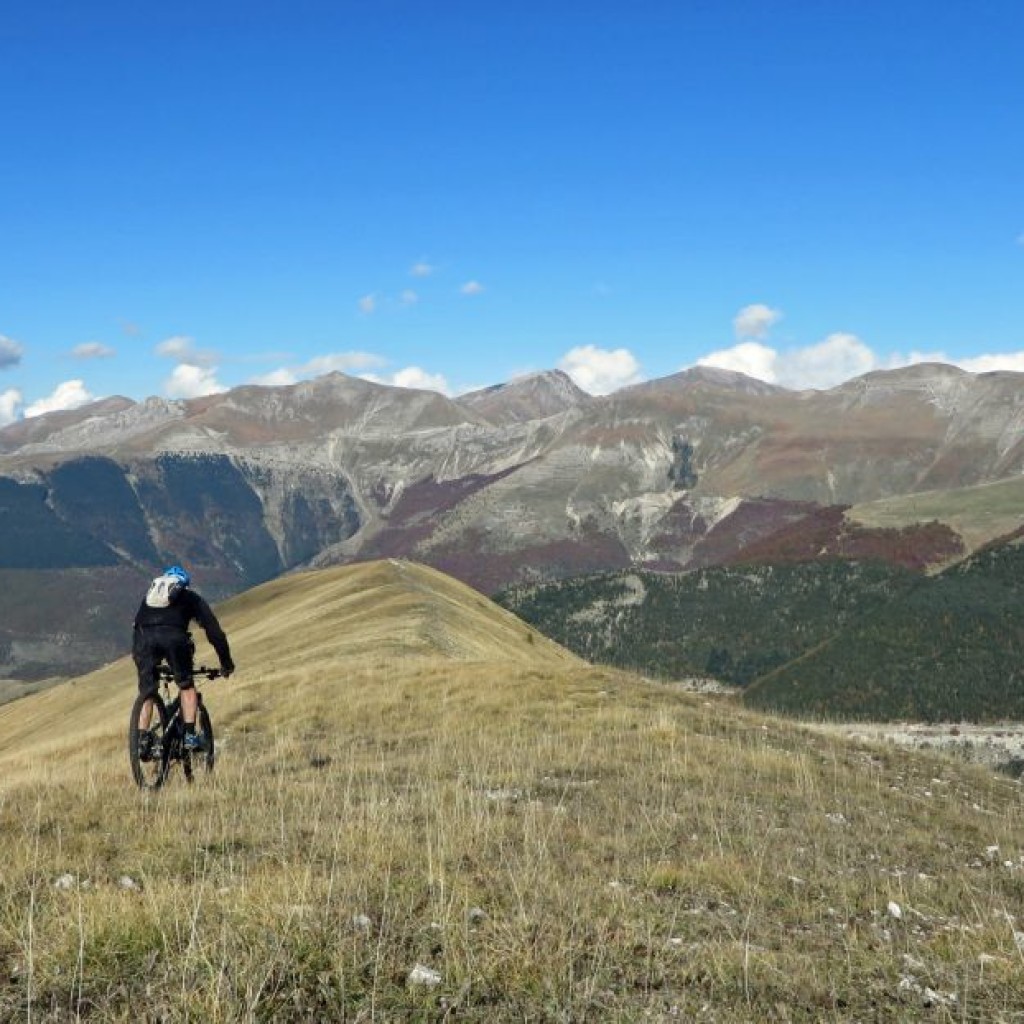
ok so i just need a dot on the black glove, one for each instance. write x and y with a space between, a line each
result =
226 670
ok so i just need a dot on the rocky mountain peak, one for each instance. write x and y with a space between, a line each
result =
64 429
530 397
706 378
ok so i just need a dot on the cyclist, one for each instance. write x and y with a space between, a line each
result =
161 633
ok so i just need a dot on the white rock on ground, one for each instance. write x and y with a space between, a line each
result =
421 975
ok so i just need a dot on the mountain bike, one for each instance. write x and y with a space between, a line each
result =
150 768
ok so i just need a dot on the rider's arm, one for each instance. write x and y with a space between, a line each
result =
203 614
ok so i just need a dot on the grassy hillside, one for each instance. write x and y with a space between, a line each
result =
734 624
423 811
978 514
950 650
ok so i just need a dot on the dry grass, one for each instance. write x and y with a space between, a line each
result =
556 842
15 689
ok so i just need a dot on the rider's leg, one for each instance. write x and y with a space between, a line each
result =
180 656
189 705
145 662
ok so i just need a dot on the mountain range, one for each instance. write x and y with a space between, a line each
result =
525 481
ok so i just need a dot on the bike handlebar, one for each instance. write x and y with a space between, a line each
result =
164 672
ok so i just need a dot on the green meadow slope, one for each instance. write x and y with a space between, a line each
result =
423 810
979 514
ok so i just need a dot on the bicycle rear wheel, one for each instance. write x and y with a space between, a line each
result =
149 766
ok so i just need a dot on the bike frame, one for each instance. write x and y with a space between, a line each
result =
171 745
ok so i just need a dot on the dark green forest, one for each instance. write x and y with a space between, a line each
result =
838 639
951 649
735 624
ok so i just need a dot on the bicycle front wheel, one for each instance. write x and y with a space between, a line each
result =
204 758
206 728
146 749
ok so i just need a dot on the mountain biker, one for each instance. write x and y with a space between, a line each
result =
161 634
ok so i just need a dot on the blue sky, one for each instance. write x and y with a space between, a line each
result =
199 195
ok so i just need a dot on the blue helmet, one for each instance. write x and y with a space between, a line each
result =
180 573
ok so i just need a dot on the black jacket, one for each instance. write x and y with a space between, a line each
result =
186 606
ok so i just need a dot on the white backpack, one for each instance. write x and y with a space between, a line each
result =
162 591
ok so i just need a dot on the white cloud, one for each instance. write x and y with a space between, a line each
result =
749 357
68 395
414 377
10 406
177 347
196 372
599 371
409 297
836 359
92 350
183 349
10 352
752 323
191 381
411 377
341 362
897 359
422 268
276 378
368 304
472 288
839 358
824 365
987 364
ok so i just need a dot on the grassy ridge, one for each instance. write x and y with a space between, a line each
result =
556 842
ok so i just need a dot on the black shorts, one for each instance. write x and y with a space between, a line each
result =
153 645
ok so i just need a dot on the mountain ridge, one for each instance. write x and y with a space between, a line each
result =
528 480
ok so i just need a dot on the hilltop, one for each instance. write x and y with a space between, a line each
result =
390 613
424 811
